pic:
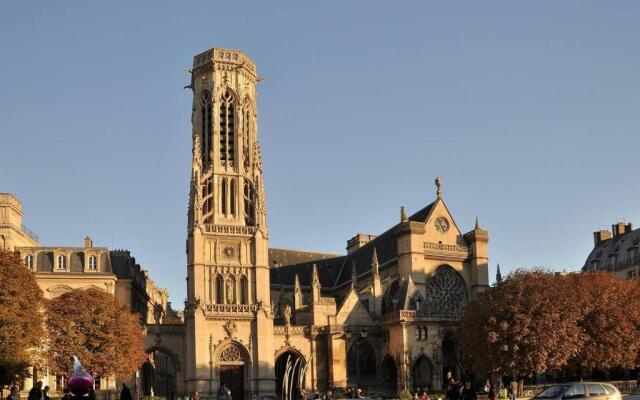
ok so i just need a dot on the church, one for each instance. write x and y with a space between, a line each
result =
384 316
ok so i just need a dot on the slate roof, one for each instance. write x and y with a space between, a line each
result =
336 271
619 247
290 257
421 215
45 261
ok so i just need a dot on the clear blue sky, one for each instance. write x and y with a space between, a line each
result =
530 112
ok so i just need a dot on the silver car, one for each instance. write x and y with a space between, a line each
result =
580 391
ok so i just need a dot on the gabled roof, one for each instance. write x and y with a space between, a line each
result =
421 215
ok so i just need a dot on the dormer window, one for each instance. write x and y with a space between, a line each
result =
92 263
28 261
62 262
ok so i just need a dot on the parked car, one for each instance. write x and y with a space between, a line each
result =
635 395
581 391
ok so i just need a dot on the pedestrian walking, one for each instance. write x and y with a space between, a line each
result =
12 393
503 394
67 394
468 392
513 389
45 393
125 393
492 393
36 392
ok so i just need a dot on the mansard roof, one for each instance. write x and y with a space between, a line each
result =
616 252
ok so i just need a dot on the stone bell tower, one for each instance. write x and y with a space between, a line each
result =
228 313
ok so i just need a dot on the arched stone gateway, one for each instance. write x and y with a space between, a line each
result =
422 374
289 362
232 361
158 374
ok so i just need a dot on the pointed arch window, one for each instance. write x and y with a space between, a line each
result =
246 134
244 290
207 195
249 204
28 261
206 123
223 196
232 196
227 127
219 290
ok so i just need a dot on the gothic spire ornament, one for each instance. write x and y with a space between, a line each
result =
315 279
354 274
403 214
438 185
375 265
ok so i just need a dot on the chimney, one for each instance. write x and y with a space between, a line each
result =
618 229
628 227
88 243
600 236
358 241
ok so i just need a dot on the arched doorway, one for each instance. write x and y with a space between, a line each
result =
390 374
361 363
158 374
421 373
449 358
289 364
231 360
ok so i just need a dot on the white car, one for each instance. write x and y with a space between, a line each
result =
581 391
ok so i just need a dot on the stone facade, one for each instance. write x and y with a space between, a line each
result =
60 269
384 316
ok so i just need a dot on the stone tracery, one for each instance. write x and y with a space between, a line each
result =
446 293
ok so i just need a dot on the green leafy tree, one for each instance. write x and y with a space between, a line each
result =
21 320
105 335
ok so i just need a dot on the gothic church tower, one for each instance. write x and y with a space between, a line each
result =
228 312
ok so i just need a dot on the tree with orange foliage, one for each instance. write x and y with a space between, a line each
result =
91 324
535 321
21 322
522 326
609 321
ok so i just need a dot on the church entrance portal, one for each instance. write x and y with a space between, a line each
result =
296 364
233 377
421 373
390 374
